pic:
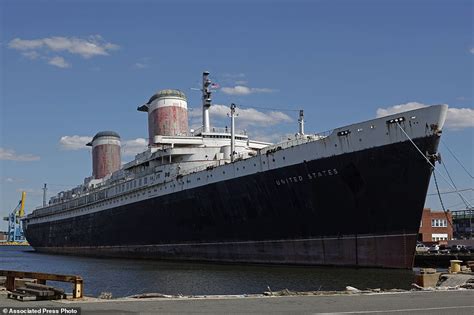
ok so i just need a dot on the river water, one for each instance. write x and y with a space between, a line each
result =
124 277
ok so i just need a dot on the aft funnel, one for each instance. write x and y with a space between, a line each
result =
167 114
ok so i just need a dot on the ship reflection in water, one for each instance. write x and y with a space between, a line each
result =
124 277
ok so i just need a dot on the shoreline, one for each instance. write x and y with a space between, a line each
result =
433 302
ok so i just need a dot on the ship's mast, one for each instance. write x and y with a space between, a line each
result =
232 132
45 189
206 101
301 123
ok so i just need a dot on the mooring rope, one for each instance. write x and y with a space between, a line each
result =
457 160
434 168
441 201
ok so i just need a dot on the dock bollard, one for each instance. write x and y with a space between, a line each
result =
455 265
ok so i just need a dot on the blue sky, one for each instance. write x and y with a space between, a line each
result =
72 68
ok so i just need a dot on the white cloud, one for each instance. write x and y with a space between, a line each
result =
460 118
22 44
13 180
236 90
231 79
74 142
195 113
269 136
88 47
472 50
140 65
244 90
11 155
456 118
246 116
30 54
398 108
59 62
258 124
133 147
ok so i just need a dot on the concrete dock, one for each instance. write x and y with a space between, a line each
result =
409 302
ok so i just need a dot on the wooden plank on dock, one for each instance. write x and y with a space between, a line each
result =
42 278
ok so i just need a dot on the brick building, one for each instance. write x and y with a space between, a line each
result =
435 226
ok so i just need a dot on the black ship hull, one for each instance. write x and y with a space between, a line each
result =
355 209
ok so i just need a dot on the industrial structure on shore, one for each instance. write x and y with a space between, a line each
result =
15 235
351 197
463 223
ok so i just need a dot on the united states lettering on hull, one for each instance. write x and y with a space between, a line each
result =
353 197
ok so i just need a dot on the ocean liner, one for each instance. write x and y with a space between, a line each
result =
349 197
